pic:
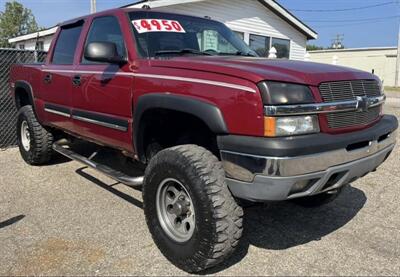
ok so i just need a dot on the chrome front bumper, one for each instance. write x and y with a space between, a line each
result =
260 178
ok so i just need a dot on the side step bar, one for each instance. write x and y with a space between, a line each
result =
114 174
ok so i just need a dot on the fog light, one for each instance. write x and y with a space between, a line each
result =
302 186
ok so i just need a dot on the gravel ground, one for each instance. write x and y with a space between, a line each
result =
65 219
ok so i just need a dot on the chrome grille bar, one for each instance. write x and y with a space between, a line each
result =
359 104
351 119
349 90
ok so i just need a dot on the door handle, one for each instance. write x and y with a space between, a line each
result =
77 80
47 79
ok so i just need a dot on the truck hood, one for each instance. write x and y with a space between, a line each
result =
259 69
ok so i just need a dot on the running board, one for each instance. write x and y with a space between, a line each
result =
113 174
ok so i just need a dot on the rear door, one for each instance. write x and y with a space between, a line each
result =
56 88
102 92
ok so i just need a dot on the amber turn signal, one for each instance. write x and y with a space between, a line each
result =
270 126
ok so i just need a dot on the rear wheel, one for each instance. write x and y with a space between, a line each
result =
34 141
191 214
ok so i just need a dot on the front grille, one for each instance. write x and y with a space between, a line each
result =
349 90
352 119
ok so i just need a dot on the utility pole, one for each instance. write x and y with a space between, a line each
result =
396 82
337 42
93 6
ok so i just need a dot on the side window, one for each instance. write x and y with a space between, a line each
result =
106 29
66 44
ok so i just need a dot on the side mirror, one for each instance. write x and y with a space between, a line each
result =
105 52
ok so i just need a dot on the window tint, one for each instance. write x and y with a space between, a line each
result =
260 45
106 29
213 40
67 42
282 47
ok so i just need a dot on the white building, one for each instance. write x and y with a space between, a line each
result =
34 41
262 24
379 60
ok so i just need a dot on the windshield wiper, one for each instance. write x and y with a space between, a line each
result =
238 53
248 54
181 52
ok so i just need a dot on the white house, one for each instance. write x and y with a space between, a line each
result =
262 24
379 60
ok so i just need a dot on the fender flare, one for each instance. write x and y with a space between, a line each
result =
210 114
26 87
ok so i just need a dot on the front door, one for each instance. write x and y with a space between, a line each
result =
56 83
102 93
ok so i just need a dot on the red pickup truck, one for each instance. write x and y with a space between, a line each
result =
214 124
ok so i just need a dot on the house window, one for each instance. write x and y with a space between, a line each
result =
21 46
39 45
239 34
282 47
260 44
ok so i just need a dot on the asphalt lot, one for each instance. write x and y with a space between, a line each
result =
64 219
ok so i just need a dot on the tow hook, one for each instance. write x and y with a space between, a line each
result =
335 191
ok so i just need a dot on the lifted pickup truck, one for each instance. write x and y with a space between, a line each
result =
214 124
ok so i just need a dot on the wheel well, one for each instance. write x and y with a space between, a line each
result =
22 98
167 128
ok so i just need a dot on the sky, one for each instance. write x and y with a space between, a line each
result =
363 23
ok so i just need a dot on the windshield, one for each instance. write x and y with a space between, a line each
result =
163 34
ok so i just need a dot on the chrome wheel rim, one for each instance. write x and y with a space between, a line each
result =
25 136
175 210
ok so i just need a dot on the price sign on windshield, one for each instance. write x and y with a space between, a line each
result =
157 25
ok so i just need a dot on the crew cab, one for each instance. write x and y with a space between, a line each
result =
214 125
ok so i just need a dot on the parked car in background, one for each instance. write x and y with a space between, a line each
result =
213 123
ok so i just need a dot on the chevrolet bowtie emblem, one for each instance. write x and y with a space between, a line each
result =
362 103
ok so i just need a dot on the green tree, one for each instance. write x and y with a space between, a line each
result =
16 20
312 47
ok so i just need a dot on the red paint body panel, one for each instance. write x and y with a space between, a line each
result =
113 91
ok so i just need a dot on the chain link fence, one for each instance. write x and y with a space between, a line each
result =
8 113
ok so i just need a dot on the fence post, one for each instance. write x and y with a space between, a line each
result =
35 55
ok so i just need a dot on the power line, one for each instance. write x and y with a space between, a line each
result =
348 9
355 20
350 24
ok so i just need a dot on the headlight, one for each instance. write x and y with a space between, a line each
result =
276 93
289 126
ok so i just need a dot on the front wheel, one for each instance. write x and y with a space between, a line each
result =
191 214
34 141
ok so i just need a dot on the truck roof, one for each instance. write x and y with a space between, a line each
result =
124 9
